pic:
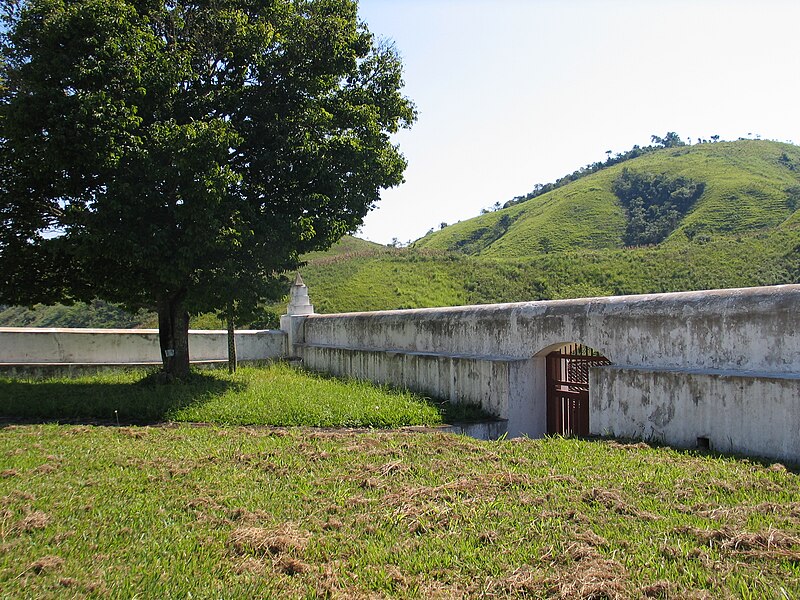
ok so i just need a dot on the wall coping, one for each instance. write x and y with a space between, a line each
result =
485 357
681 300
85 330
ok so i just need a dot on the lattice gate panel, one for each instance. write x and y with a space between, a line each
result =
568 389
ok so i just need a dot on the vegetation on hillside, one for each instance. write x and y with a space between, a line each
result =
725 215
99 313
413 277
746 186
654 204
80 314
671 140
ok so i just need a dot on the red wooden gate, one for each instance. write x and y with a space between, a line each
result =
568 388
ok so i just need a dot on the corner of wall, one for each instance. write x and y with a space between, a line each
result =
294 327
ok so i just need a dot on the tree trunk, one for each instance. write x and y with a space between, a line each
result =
231 343
173 336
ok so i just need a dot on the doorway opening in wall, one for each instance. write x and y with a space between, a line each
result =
568 388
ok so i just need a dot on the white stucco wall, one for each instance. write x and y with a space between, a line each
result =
747 329
750 413
733 355
499 385
125 346
730 332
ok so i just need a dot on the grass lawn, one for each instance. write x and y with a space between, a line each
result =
229 512
178 510
275 395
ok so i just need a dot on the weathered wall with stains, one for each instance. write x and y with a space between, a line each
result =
20 345
744 329
717 339
757 414
500 385
721 364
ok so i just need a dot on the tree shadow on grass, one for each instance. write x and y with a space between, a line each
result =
145 401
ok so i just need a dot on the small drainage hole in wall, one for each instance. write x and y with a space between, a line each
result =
703 443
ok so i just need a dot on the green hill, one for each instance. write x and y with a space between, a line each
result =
727 218
411 278
94 314
708 216
747 185
104 315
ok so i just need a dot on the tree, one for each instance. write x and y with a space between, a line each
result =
671 140
178 155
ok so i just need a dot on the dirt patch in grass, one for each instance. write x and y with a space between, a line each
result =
247 517
250 564
615 501
260 541
659 589
136 433
777 468
596 578
522 582
395 467
584 573
33 521
46 468
590 538
578 572
631 446
771 543
290 565
329 582
15 496
789 511
208 510
62 536
260 550
46 564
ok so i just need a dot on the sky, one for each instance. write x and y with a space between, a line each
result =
511 93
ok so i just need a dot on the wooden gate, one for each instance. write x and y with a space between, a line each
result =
568 389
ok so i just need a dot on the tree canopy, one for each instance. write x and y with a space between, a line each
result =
655 203
179 155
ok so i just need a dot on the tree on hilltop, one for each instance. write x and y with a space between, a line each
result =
671 140
178 155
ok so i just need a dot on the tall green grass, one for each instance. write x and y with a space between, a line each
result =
278 395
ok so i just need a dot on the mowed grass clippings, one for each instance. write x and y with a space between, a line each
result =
277 394
237 513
